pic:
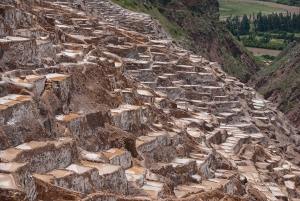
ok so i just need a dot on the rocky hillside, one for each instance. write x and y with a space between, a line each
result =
196 27
96 106
280 82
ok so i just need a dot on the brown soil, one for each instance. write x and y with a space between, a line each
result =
262 51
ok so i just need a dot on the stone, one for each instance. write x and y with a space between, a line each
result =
118 157
98 103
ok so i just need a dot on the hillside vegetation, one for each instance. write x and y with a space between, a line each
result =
273 31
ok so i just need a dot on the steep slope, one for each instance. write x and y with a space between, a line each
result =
280 82
91 109
197 24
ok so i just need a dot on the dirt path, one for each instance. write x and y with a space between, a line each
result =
291 9
261 51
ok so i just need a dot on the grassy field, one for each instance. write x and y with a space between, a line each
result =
286 2
228 7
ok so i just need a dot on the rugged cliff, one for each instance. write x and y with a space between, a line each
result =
214 42
197 23
280 82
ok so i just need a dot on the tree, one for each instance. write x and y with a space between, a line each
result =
276 24
229 24
244 25
289 38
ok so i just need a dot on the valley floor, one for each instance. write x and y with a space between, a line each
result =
262 51
291 9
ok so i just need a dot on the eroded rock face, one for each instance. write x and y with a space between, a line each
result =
91 109
284 98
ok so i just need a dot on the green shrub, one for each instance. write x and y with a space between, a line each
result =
161 10
266 56
146 6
